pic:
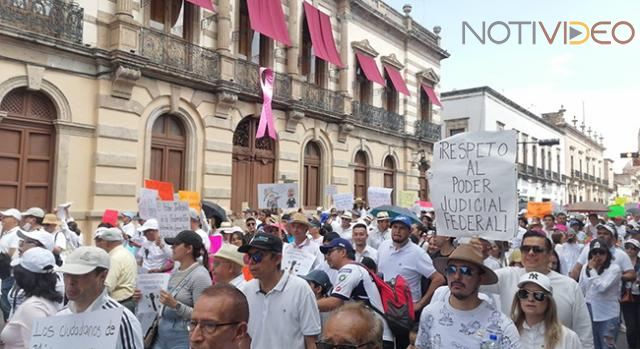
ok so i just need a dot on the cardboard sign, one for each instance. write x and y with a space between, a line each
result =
297 261
91 330
148 203
379 196
149 305
173 217
343 202
165 189
539 209
408 198
192 197
110 217
473 181
274 196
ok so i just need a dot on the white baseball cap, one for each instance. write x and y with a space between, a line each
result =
536 278
35 212
230 253
36 260
149 224
43 237
84 260
12 212
109 234
633 242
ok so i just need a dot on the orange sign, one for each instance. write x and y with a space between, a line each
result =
539 209
165 189
192 197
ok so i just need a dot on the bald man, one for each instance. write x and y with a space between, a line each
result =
353 324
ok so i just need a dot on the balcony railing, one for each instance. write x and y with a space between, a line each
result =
540 172
428 130
556 176
522 168
378 118
54 18
178 55
531 170
577 174
606 182
322 99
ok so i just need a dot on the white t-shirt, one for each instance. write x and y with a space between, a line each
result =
602 291
355 283
410 261
568 254
620 258
17 332
376 237
368 252
9 240
532 337
492 263
284 316
130 229
60 240
442 326
153 257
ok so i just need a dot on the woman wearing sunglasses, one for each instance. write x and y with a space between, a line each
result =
535 314
601 281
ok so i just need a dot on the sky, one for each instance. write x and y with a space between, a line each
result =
542 77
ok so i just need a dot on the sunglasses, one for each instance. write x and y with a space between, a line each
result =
257 257
537 295
325 345
536 249
250 224
463 269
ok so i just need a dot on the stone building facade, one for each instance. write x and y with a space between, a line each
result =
96 96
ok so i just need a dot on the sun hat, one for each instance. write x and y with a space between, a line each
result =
230 253
50 218
299 218
467 253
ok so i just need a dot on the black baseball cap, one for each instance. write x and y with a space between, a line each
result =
263 241
187 237
320 278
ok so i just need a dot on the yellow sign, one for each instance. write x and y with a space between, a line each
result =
408 198
621 201
192 197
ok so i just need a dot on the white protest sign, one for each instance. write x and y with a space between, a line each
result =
331 190
473 185
147 203
343 202
297 261
149 305
91 330
379 196
173 217
274 196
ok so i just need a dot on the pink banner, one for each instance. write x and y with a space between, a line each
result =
266 116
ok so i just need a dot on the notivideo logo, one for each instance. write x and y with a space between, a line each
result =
564 32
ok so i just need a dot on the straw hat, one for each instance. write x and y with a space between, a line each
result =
467 253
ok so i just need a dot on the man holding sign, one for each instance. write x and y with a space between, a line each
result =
85 272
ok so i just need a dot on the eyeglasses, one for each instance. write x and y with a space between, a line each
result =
537 295
325 345
207 327
256 257
536 249
463 269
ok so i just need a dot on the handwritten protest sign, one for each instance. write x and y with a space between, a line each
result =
539 209
473 181
110 217
297 261
408 198
165 189
379 196
150 286
148 203
91 330
343 202
173 217
192 197
274 196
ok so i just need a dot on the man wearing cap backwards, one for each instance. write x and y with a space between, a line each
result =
32 219
227 266
464 320
381 232
9 243
196 225
85 272
607 232
353 283
154 255
282 308
400 256
298 227
121 279
537 250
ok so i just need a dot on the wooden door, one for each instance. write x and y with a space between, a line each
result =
424 186
27 142
312 161
168 149
361 176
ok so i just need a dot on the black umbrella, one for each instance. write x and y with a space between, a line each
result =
213 210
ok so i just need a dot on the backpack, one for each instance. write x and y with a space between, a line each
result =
397 303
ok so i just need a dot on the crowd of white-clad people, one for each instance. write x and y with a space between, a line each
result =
364 279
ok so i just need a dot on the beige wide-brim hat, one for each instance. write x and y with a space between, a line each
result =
467 253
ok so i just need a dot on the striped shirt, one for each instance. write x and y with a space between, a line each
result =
130 336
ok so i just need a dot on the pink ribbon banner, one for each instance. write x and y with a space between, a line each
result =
266 116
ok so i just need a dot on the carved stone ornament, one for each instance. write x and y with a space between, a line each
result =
344 131
293 118
365 47
429 77
392 60
226 101
124 79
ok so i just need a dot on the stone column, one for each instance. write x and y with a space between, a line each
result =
123 29
293 52
224 26
124 8
344 16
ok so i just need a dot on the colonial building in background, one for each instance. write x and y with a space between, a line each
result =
96 96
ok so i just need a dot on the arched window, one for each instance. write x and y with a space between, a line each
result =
27 143
361 175
253 164
390 175
168 151
312 175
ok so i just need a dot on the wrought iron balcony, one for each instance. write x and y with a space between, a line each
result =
547 173
556 176
179 56
378 118
54 18
428 130
531 170
577 174
247 77
322 99
605 182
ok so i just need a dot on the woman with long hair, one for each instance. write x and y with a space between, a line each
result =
34 273
601 281
535 314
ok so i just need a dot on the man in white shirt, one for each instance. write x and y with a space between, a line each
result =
536 251
591 228
128 227
464 320
51 224
568 252
9 243
549 222
298 227
32 219
227 266
345 225
400 256
382 232
282 308
360 237
154 255
194 219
